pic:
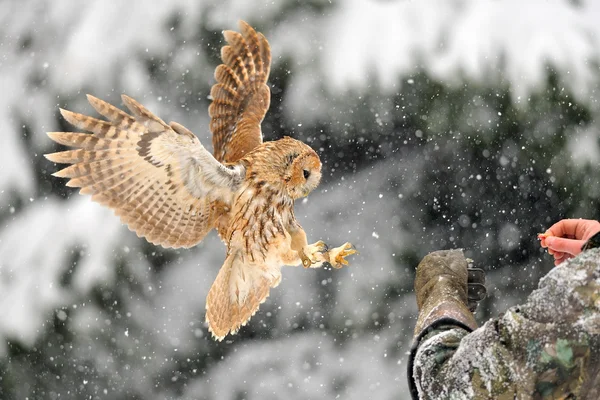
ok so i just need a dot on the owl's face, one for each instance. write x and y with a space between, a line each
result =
304 174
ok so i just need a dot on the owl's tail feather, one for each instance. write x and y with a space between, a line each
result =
241 96
236 295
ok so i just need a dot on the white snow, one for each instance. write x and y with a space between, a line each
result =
35 249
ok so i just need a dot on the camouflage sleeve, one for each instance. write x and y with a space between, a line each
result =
592 242
547 348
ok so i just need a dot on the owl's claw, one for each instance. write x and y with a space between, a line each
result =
313 254
337 256
320 247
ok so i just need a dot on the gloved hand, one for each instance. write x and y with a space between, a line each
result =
441 289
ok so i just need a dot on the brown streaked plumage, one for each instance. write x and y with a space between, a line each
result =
241 97
161 181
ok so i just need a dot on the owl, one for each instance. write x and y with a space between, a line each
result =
162 183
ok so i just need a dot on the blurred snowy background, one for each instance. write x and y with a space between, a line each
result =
442 124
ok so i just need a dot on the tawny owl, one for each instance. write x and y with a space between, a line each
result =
161 181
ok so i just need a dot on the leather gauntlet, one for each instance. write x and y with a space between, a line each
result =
441 286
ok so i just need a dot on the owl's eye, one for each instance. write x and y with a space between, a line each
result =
306 173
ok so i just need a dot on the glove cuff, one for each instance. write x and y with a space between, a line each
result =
449 308
442 322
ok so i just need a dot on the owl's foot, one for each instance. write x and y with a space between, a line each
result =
313 254
337 256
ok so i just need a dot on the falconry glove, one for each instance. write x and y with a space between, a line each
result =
441 286
447 293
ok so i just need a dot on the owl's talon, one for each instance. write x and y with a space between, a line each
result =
315 253
321 247
337 256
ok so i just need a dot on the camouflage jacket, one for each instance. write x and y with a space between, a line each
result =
548 348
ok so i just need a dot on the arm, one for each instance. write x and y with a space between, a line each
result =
442 295
547 347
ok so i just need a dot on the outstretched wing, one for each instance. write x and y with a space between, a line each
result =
157 178
241 96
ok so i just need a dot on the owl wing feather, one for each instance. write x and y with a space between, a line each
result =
241 96
158 178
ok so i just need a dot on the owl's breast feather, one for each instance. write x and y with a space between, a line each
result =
257 223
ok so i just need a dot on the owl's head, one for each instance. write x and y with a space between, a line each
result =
303 173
